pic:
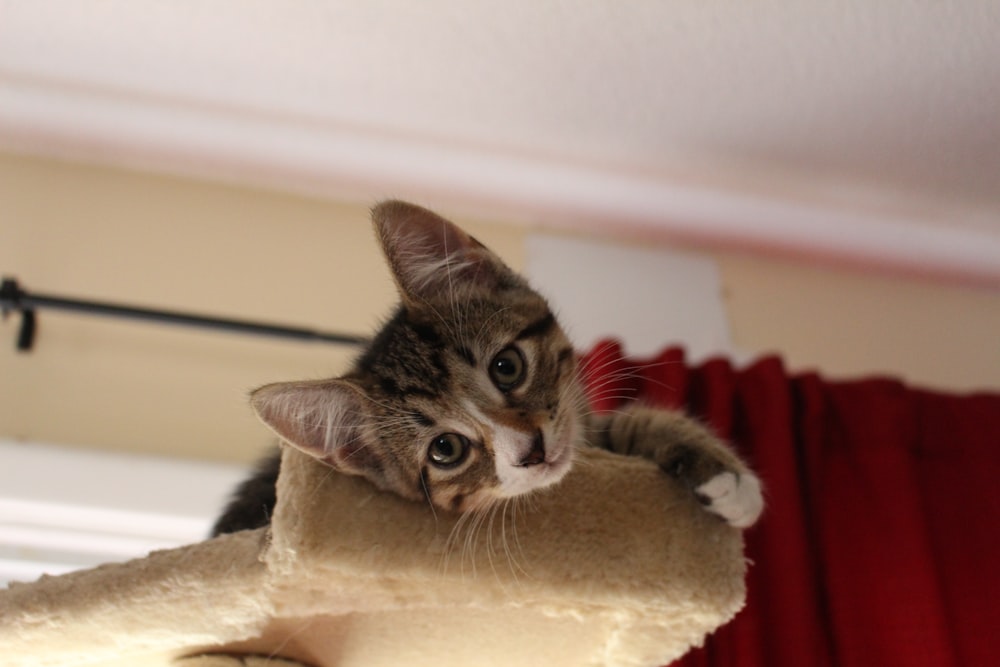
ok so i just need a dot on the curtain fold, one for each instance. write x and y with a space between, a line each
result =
879 544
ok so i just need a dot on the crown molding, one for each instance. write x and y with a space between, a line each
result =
181 136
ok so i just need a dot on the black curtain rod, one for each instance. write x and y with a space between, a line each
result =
14 298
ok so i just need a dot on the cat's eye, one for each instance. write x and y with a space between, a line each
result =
448 450
507 369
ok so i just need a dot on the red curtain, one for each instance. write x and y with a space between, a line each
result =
880 544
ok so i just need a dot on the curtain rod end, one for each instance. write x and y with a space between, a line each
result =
11 295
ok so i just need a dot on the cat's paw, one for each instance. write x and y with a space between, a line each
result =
737 498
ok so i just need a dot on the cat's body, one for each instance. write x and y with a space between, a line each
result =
468 395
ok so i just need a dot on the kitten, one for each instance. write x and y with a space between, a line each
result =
469 394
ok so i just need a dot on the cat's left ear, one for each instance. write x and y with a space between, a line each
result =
429 255
327 419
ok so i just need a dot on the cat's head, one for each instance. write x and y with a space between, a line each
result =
467 395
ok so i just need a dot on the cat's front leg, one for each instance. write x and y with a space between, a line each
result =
687 451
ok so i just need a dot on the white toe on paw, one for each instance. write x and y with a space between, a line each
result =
735 498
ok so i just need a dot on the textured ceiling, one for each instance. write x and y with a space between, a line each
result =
659 115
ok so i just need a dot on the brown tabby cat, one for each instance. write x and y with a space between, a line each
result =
469 395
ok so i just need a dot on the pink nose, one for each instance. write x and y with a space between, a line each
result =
537 453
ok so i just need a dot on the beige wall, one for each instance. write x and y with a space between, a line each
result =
151 240
849 324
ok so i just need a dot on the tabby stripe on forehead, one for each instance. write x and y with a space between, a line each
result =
422 418
537 328
428 334
393 388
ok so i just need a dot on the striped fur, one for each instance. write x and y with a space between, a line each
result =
467 395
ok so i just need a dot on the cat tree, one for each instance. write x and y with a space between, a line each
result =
617 565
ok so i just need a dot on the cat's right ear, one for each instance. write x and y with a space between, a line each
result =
327 419
429 255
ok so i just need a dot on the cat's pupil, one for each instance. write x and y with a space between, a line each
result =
507 369
448 449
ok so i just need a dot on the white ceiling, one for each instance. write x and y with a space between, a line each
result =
859 131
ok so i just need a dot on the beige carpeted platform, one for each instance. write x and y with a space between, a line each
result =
618 565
